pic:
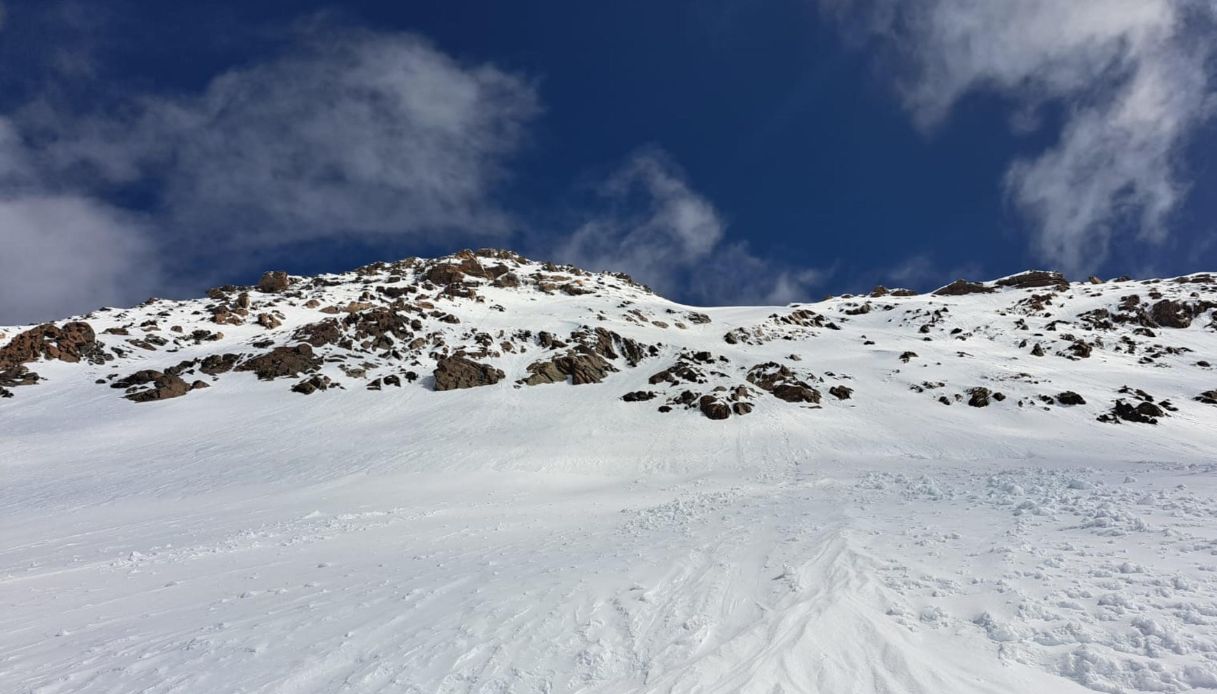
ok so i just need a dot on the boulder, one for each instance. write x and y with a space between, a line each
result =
713 408
458 371
1070 398
162 386
273 282
841 392
960 287
979 397
282 361
312 384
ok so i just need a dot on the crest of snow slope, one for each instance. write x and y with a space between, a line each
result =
553 537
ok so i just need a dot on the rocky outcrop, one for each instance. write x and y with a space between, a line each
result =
160 386
273 282
1034 279
581 368
281 362
457 371
71 343
961 287
313 384
782 383
1171 314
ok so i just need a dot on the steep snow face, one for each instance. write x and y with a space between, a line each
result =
483 473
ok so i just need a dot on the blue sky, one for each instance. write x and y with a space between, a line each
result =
722 152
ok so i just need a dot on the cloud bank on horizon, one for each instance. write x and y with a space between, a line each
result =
1134 78
363 135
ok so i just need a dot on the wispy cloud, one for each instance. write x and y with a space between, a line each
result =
1134 78
656 227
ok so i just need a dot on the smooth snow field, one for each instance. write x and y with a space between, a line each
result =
554 538
234 544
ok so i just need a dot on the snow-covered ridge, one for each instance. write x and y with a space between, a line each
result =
482 473
494 317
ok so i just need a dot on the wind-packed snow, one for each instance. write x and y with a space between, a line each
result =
553 538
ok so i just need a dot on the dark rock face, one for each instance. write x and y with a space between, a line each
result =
312 384
215 364
1208 397
1070 398
713 408
639 396
961 287
907 355
1035 278
273 282
71 343
1141 413
796 392
282 361
580 367
163 386
17 376
782 383
841 392
979 397
1171 314
458 371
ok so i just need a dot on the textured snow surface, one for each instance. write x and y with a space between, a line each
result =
244 538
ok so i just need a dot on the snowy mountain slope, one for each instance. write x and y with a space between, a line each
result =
460 529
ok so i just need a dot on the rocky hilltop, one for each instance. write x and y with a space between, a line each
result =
1120 351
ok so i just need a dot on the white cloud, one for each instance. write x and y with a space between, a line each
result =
349 134
66 254
665 234
1131 75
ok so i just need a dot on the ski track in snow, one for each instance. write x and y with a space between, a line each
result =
554 539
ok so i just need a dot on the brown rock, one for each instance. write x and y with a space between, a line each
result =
458 371
273 282
961 287
841 392
71 343
163 386
1035 278
282 361
713 408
